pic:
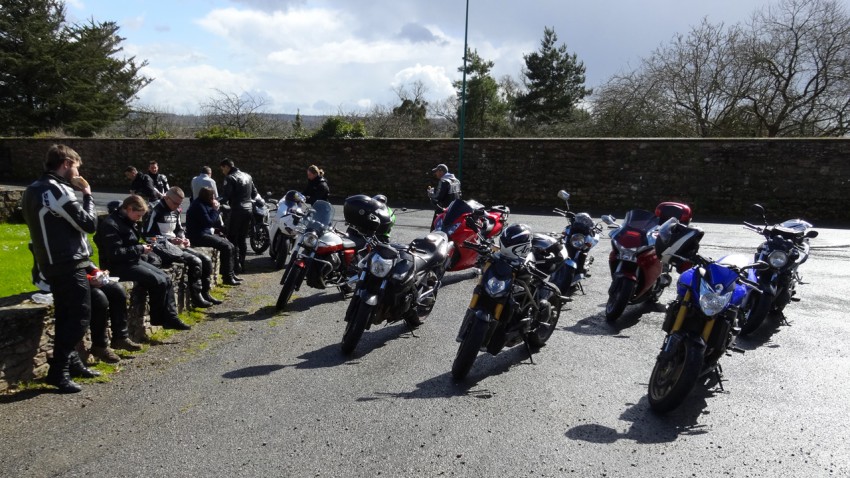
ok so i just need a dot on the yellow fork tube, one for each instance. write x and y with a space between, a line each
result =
683 310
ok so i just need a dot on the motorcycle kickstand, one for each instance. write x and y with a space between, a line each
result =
580 288
409 328
528 348
718 372
784 319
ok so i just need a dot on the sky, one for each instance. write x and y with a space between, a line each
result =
324 57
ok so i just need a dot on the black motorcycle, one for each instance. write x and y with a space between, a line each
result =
396 282
580 235
513 301
258 233
785 248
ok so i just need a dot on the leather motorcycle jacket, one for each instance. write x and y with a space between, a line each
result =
163 222
58 224
238 190
118 241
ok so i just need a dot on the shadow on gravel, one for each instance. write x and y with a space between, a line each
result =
26 395
253 371
598 325
302 303
647 426
445 386
332 356
264 313
762 336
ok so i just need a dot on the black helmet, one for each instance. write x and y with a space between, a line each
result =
113 206
515 241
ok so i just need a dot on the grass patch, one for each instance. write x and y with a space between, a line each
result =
16 273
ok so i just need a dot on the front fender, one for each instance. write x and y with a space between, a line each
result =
672 342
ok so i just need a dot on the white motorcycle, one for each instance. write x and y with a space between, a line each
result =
291 208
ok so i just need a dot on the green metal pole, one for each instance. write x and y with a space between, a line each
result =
463 96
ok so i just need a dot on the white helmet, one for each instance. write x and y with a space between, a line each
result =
515 242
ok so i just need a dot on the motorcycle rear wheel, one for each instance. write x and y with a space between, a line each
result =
293 277
619 298
756 315
467 352
672 380
259 238
354 328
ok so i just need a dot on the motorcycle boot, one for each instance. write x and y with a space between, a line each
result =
205 292
77 368
58 375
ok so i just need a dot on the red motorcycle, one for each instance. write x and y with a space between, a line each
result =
638 273
469 221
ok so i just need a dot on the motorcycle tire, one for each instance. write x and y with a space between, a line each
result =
281 252
354 328
292 280
619 298
259 238
543 329
467 352
672 380
753 318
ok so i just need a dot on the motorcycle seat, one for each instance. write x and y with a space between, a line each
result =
430 250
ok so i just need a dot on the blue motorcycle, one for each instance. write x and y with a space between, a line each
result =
701 325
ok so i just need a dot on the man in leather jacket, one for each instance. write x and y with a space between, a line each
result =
58 224
164 221
121 253
160 181
447 190
142 184
238 192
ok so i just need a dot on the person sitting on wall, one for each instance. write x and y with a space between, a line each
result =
203 221
117 240
164 221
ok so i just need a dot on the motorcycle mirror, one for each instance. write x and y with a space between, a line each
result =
812 234
563 195
759 266
609 219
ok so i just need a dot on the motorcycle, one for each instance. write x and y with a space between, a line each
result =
284 230
701 325
258 234
580 236
469 221
396 282
638 274
785 248
513 301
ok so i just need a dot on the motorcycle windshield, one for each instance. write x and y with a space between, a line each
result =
640 220
459 208
320 216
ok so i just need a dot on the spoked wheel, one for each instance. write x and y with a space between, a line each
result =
467 352
618 299
259 238
673 379
291 280
354 328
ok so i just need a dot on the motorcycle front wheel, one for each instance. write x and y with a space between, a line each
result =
259 238
618 299
281 251
354 328
549 314
467 352
673 379
292 278
753 318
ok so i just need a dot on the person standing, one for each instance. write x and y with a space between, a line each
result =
141 184
164 221
317 186
58 224
448 189
160 181
202 219
239 192
203 180
121 253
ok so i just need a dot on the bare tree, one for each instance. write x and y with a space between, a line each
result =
799 53
240 112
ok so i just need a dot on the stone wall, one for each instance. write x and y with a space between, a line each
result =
27 328
720 178
10 204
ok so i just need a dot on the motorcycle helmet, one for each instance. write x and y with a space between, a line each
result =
294 198
584 220
380 198
515 241
113 206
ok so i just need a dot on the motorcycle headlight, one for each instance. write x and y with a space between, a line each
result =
577 241
310 240
712 302
777 259
496 287
380 267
